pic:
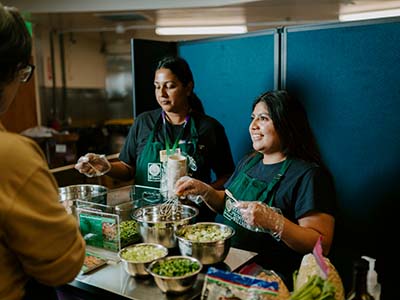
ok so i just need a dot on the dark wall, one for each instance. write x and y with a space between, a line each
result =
145 55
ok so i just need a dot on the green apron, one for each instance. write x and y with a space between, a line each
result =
246 188
148 166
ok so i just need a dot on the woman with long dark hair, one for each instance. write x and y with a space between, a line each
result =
179 124
280 199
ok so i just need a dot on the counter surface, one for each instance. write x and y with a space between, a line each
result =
114 279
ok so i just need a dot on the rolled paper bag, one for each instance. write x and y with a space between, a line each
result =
176 168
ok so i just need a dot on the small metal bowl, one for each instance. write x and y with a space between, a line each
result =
137 265
175 284
197 241
154 228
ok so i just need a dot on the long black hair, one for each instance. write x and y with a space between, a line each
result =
180 68
15 44
291 123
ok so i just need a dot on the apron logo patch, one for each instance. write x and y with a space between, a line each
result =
154 172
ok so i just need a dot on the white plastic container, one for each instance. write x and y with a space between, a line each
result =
373 286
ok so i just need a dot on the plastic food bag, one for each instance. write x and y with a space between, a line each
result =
259 272
92 262
223 285
309 268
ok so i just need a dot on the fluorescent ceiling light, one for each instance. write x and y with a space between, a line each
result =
370 15
231 29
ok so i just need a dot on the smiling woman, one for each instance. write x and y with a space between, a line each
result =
283 196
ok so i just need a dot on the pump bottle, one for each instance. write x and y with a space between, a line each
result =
359 288
374 288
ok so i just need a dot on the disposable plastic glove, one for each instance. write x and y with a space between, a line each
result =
193 189
262 218
93 164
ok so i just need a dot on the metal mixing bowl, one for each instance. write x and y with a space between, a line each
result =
137 266
87 192
154 228
175 284
207 241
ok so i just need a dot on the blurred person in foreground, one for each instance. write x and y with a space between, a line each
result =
280 199
179 124
40 244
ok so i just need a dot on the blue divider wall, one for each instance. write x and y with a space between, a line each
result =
348 78
229 74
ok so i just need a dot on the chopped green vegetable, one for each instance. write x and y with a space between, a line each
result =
143 253
315 289
175 267
128 232
206 233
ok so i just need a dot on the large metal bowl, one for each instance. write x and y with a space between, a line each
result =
143 255
67 195
155 228
207 241
175 284
87 192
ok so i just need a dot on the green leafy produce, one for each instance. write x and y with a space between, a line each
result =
315 289
128 232
175 267
206 233
309 268
143 253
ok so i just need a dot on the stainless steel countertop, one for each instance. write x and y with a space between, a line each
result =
114 279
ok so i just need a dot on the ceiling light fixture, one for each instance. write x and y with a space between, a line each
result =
370 15
194 30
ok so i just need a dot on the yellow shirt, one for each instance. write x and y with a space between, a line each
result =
38 238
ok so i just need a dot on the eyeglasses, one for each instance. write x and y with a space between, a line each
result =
26 73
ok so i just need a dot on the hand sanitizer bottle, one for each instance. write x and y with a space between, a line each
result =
374 288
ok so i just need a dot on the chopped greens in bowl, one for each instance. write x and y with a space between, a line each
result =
209 242
205 232
137 257
175 274
143 253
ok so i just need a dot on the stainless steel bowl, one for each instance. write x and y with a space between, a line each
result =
154 228
175 284
87 192
137 266
207 241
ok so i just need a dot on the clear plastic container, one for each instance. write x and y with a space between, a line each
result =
108 225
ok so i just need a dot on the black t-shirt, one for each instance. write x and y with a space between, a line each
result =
213 153
213 149
305 187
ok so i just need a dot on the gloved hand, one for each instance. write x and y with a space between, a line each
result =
93 164
261 217
193 189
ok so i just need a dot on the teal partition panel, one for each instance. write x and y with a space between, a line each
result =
229 74
347 76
